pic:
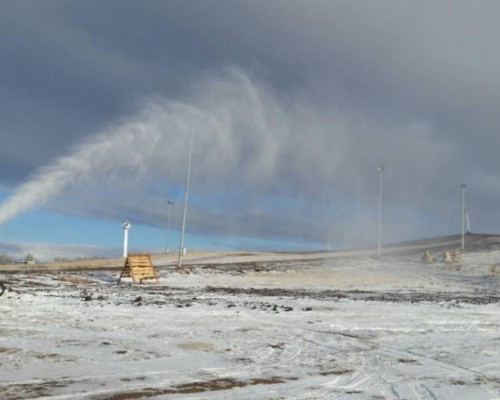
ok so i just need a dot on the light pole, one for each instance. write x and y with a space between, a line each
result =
126 226
467 221
463 186
169 205
186 194
380 176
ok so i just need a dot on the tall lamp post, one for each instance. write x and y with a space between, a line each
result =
464 211
379 242
186 194
169 205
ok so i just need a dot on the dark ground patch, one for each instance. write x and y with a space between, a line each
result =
197 387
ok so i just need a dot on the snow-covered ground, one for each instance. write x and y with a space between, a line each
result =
339 328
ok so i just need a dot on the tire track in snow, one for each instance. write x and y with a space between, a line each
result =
362 379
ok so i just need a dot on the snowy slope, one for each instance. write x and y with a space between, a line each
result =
343 328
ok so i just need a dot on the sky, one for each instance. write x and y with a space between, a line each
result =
291 107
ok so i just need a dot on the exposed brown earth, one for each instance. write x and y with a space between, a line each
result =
198 387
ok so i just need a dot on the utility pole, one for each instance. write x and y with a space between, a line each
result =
169 205
463 186
380 176
186 194
467 221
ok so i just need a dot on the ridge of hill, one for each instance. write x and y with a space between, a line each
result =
473 243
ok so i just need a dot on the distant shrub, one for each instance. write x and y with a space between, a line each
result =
67 259
5 259
61 259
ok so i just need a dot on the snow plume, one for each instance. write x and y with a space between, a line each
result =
121 152
230 119
263 164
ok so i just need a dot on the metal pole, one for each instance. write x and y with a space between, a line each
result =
463 186
329 222
186 193
379 246
169 205
467 222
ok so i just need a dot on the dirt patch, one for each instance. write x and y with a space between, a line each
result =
43 356
407 361
30 390
364 295
9 350
336 372
199 387
75 280
201 346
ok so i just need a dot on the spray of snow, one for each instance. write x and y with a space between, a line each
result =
248 141
124 152
239 127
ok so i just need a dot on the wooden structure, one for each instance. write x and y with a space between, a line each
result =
428 257
447 257
138 267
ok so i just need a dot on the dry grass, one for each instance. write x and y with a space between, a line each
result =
201 346
99 263
70 264
75 280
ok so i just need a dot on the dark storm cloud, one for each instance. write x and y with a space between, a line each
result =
417 85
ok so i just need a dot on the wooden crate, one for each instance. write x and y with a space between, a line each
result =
138 267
